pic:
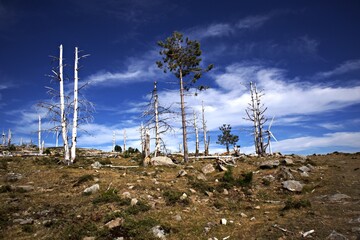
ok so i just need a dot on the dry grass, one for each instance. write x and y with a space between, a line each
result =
61 211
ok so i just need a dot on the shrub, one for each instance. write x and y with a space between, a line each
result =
229 181
137 208
201 186
296 204
172 197
83 178
111 196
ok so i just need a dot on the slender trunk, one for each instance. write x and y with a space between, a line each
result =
9 138
227 149
113 142
75 116
253 106
156 106
142 137
62 108
57 137
196 136
39 136
124 140
147 143
183 118
206 143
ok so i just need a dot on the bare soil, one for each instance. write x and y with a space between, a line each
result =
47 200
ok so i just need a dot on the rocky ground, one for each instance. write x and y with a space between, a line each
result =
278 197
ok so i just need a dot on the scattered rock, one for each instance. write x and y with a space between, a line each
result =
269 164
89 238
336 236
208 168
285 174
158 232
162 161
223 221
243 215
192 190
268 178
114 223
13 177
355 220
304 174
338 197
94 188
133 202
252 219
292 185
24 221
201 176
304 169
96 165
126 195
183 197
257 207
288 162
177 218
182 173
24 188
225 191
210 194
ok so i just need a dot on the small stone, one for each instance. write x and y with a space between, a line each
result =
208 168
177 218
304 174
24 188
182 173
243 215
338 197
304 169
257 207
114 223
96 165
89 238
269 164
210 194
201 176
162 161
126 195
223 221
13 177
158 232
336 236
225 191
222 168
252 219
192 190
183 197
292 185
27 221
133 202
288 162
94 188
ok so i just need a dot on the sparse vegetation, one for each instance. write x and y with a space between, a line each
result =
83 178
296 204
173 197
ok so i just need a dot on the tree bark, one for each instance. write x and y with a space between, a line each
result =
62 108
206 144
39 136
156 106
183 118
196 136
75 116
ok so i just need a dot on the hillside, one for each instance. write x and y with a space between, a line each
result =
42 199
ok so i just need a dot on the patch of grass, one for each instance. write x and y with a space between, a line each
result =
296 204
45 161
137 208
5 188
28 228
172 197
111 196
229 181
79 230
140 229
3 164
105 161
201 186
83 178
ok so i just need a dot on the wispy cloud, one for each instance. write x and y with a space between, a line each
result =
348 66
252 22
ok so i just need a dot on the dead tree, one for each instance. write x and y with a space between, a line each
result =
3 138
206 141
39 137
157 118
61 111
255 113
124 140
196 135
9 138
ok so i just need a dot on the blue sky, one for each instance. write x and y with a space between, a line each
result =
305 55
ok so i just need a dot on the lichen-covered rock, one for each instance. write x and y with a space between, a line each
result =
292 185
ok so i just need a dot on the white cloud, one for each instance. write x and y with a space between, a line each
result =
343 68
212 30
252 22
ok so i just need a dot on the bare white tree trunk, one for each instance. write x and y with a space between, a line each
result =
156 109
3 138
124 140
206 144
113 142
183 117
62 108
76 107
39 137
142 138
56 137
9 138
196 135
147 143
